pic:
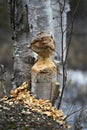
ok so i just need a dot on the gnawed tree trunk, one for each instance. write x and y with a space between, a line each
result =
29 17
44 81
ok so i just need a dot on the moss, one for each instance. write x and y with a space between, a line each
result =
11 125
26 128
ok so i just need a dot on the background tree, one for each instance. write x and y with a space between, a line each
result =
23 58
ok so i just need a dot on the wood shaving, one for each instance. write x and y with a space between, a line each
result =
22 95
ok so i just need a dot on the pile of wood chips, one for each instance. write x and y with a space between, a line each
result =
22 95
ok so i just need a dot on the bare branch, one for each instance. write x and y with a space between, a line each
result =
73 112
67 50
73 16
62 47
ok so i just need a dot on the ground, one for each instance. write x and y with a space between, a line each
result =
22 111
20 117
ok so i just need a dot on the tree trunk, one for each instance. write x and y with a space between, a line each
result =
28 18
23 56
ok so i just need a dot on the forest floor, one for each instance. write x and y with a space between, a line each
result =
20 117
19 113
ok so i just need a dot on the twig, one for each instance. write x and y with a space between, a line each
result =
70 109
62 46
73 16
73 113
67 50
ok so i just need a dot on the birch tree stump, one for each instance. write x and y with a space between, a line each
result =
45 72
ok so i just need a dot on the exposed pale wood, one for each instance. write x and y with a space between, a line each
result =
45 71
